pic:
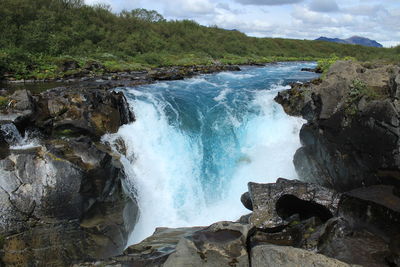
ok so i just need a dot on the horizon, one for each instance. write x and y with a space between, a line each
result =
291 19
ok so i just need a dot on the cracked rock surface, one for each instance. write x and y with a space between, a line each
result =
61 189
351 138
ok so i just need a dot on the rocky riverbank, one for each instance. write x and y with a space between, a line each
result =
292 224
63 201
351 138
61 189
333 221
95 75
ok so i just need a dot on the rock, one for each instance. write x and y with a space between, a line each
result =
92 65
301 234
63 200
221 244
19 108
179 73
4 147
351 109
310 70
374 208
158 247
339 240
394 86
271 255
68 64
85 112
246 201
44 194
275 202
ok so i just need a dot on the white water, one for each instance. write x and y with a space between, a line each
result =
14 138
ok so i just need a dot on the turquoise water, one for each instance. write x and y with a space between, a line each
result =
198 142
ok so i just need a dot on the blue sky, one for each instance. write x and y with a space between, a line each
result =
299 19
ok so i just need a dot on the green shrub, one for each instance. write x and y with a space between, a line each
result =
37 34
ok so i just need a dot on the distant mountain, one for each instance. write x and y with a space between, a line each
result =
352 40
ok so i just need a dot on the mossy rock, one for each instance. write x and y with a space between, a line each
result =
67 64
4 102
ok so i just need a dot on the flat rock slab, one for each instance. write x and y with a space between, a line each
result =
282 256
366 208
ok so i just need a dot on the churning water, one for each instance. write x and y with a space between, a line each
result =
196 143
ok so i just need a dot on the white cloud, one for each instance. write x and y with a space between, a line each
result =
268 2
324 5
308 19
186 8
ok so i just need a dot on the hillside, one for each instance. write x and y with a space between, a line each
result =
38 36
355 40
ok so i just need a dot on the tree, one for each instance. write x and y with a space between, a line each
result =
147 15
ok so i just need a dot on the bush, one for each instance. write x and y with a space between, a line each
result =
37 33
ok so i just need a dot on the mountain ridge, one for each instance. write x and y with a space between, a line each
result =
357 40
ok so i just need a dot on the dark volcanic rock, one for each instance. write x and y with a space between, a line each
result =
340 240
374 208
220 244
246 201
62 200
274 203
4 147
68 64
285 256
352 135
295 228
316 70
85 112
19 108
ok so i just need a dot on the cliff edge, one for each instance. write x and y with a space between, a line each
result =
351 138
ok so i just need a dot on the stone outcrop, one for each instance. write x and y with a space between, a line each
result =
353 107
315 229
274 203
271 255
94 74
220 244
61 190
357 227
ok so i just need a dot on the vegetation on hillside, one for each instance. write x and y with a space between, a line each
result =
38 36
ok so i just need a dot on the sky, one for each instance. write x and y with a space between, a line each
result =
298 19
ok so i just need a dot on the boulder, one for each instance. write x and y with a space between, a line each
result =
68 64
340 240
301 234
246 201
4 146
274 203
93 65
272 255
375 208
220 244
19 109
88 112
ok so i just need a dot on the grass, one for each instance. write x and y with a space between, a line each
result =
3 102
50 68
359 90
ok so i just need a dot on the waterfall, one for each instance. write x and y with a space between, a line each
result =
196 144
